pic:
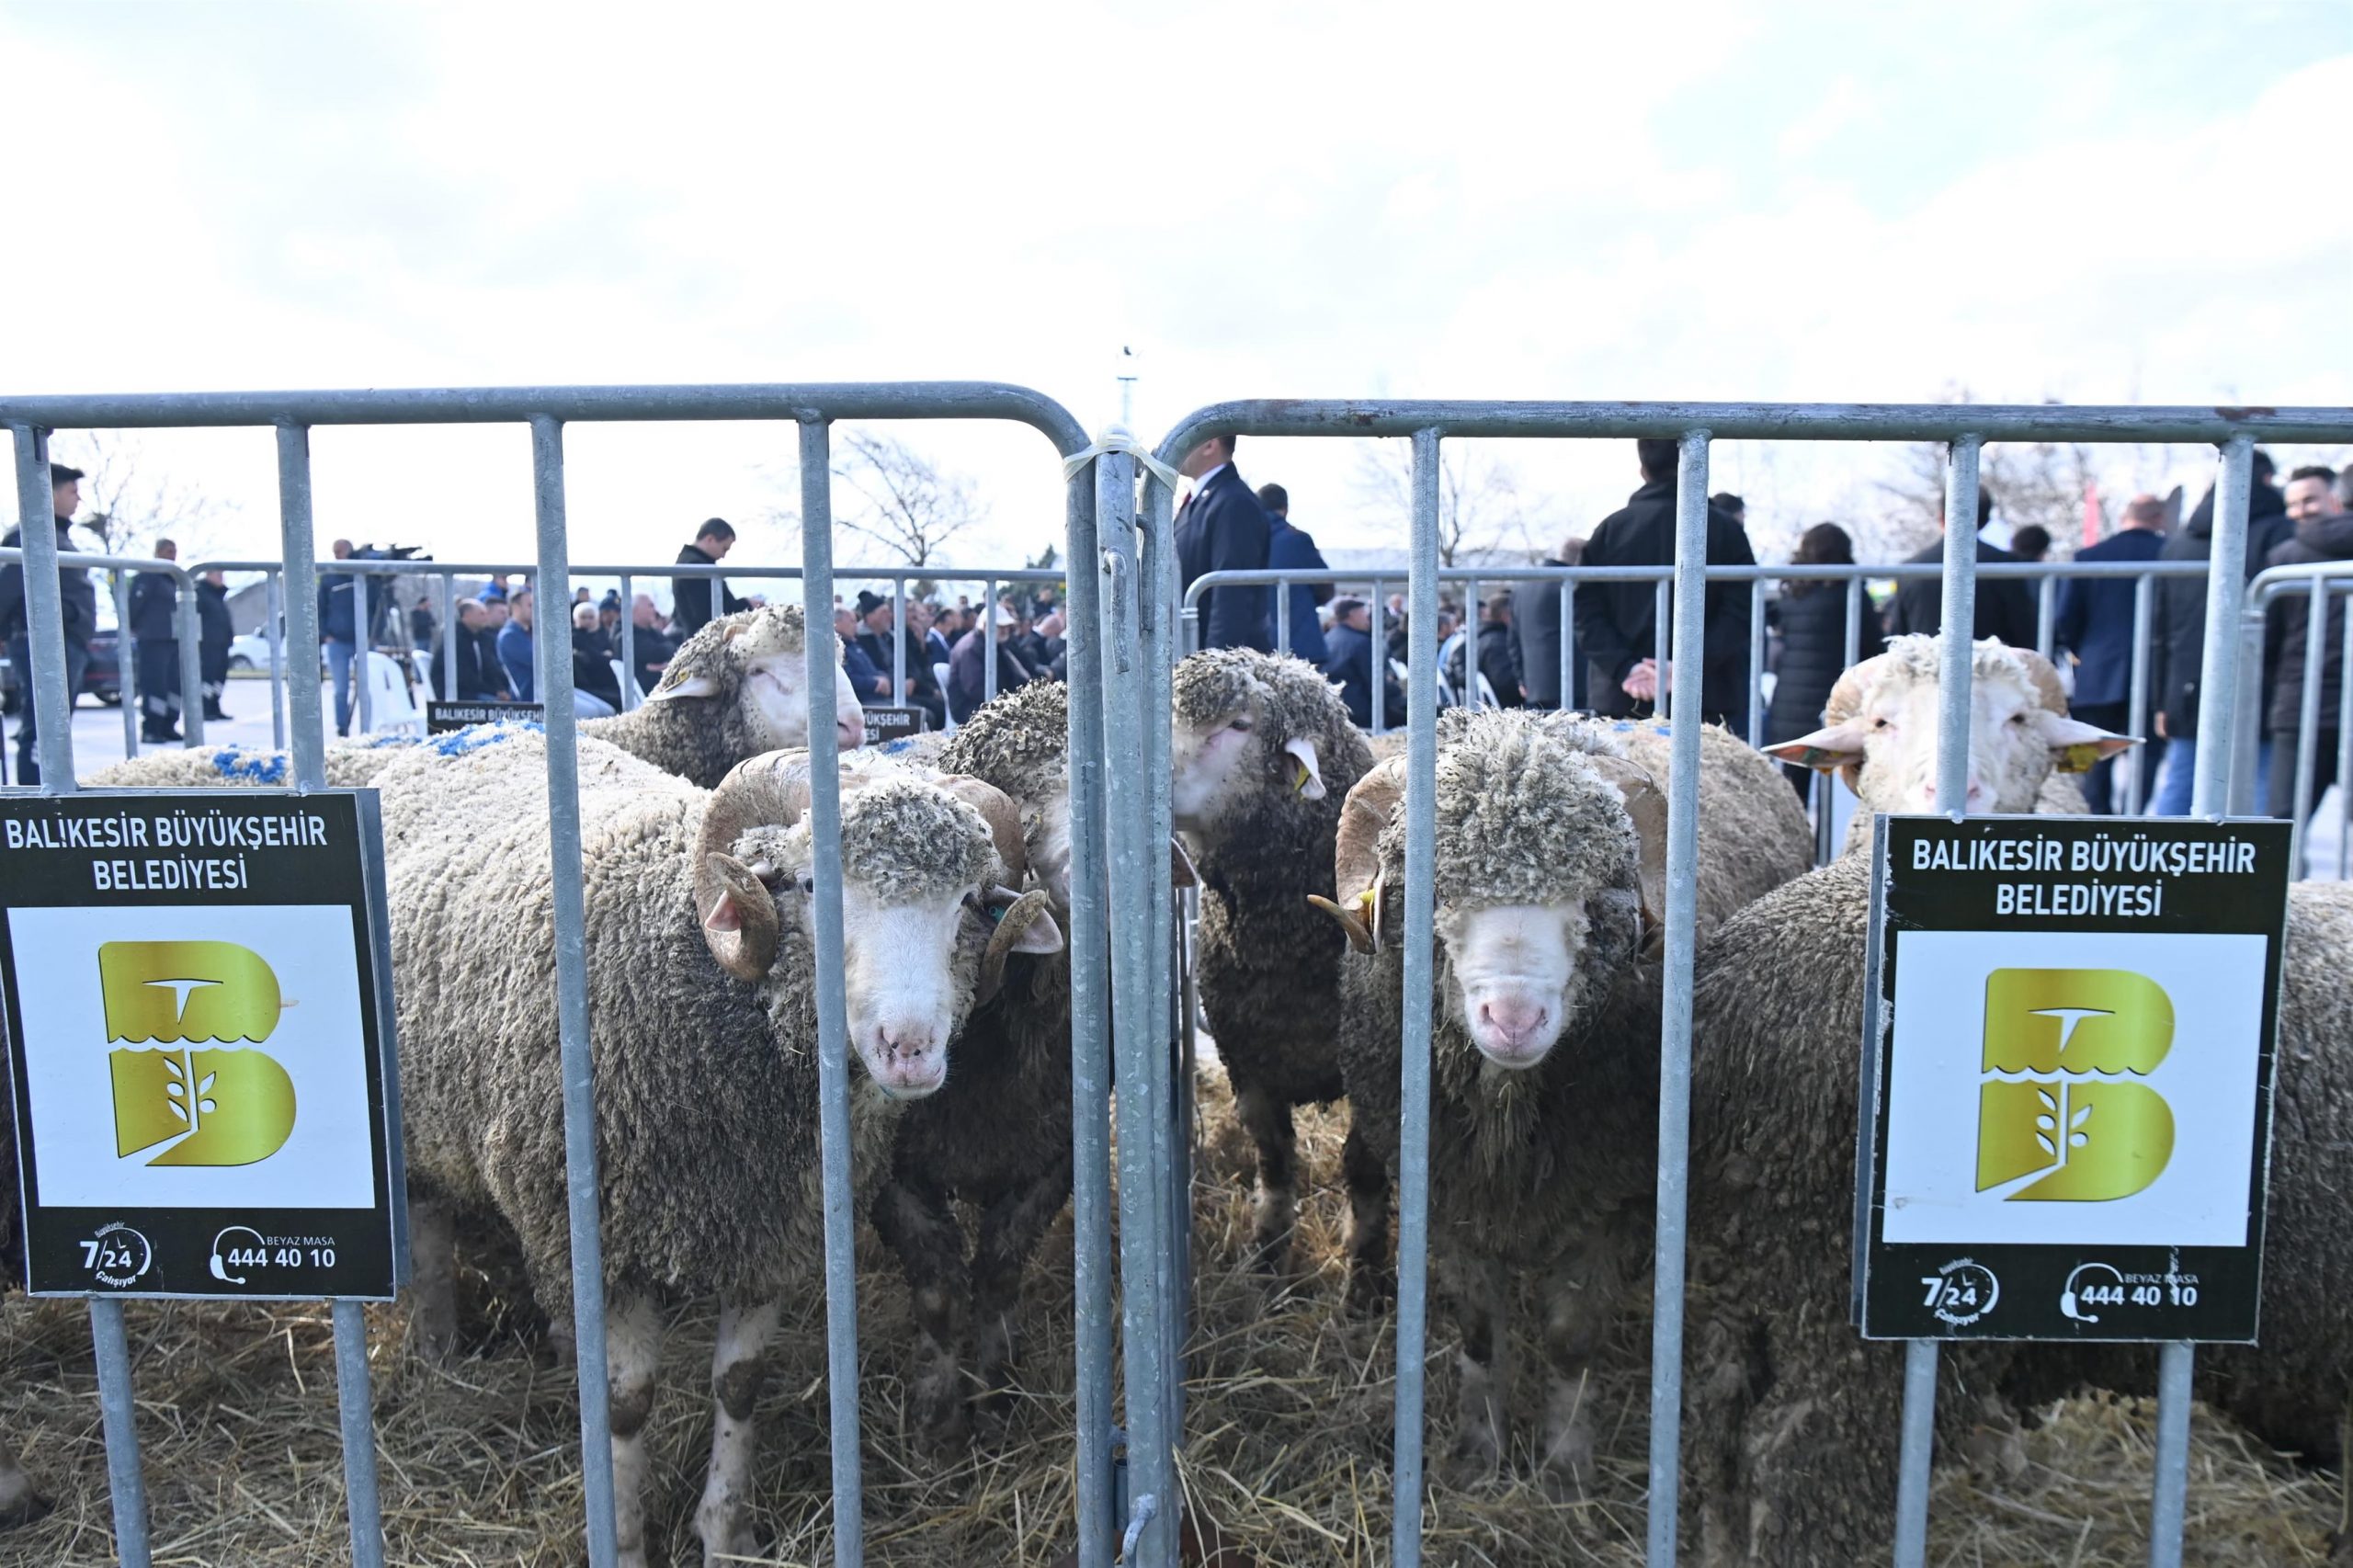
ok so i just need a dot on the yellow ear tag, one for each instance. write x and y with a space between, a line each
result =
2080 758
1299 785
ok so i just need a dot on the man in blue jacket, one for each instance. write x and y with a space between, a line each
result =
1221 528
2094 622
1288 546
515 648
342 616
1352 663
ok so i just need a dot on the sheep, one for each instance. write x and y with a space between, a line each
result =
736 689
1880 733
1788 1435
997 1134
702 982
1550 882
1262 752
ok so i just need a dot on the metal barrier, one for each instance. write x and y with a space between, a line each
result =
184 620
1102 799
1693 426
2317 583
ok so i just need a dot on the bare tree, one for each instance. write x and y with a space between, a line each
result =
128 502
907 503
1481 520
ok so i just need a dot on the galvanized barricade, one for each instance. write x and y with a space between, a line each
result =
1693 426
184 620
1107 805
2326 589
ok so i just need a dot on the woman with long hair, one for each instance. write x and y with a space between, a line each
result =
1811 616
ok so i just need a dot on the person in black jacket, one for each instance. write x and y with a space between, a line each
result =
1810 618
967 669
1536 619
592 665
1617 623
651 644
2323 532
1498 656
1221 528
215 632
2094 622
156 632
1348 659
697 600
79 603
2180 629
2005 609
474 684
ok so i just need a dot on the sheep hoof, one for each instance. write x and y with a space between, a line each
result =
943 1424
1370 1290
729 1541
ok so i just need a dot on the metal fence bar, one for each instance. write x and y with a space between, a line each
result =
1662 656
1136 1039
1674 1017
2345 749
1413 1120
274 606
988 642
1757 662
898 639
555 680
355 1407
450 633
2136 701
191 657
2045 617
1955 671
1376 658
833 1008
1568 646
1155 606
1090 1020
2308 721
1283 615
1468 632
126 664
630 697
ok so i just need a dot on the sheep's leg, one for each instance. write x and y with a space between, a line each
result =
1276 1200
1582 1301
1476 1287
19 1502
1372 1278
739 1369
1010 1230
433 1261
632 1359
919 1226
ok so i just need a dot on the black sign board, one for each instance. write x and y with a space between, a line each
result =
893 724
200 1022
441 718
2067 1064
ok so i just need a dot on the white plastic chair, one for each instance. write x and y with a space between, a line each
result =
390 707
947 715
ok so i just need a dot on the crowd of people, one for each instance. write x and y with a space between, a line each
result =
1514 643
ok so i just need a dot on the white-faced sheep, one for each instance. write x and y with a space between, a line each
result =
702 988
1549 885
1262 752
737 688
997 1135
1790 1427
1880 733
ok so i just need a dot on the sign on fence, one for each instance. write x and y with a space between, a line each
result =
441 718
2067 1077
893 724
198 993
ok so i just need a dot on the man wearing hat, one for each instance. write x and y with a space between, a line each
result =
877 626
968 675
79 603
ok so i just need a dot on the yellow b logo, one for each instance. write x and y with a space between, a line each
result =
2098 1140
215 1108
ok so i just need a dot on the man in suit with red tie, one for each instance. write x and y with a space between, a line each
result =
1221 528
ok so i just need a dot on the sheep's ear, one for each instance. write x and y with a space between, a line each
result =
2079 747
1309 777
1833 748
685 686
1646 809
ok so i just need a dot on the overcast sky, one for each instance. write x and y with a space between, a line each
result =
2131 202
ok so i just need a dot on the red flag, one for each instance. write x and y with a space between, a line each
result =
2091 511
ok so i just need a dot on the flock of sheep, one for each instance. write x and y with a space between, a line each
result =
1549 892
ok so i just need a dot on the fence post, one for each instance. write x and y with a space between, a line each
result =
191 653
1414 1127
126 663
274 606
1675 1022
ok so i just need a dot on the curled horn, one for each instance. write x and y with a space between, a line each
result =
1646 808
1011 926
1355 854
1846 693
732 899
1004 819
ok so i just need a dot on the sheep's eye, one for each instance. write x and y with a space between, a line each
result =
1881 724
808 884
1240 726
2018 718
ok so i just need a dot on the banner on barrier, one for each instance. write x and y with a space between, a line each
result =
442 717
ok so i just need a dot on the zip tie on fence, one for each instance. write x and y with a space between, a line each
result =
1115 438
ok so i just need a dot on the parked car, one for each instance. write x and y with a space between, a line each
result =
101 678
250 651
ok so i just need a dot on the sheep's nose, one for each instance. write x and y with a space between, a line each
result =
850 730
1517 1020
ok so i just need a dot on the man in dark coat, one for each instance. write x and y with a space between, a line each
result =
697 600
967 672
652 645
872 686
1498 655
2005 609
215 632
1617 622
156 632
1536 621
2094 622
79 603
1221 528
2323 532
1350 659
877 628
2180 629
1292 547
474 684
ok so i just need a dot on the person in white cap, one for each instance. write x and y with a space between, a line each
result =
966 674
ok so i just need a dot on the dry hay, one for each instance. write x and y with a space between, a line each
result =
1289 1412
